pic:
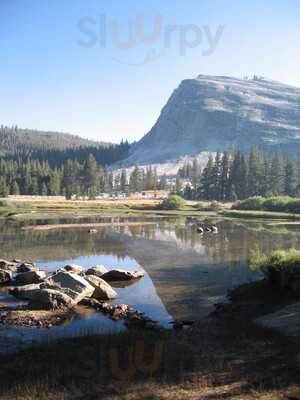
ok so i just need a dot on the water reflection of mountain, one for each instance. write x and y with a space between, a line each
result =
190 272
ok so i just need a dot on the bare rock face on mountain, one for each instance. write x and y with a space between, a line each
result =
218 113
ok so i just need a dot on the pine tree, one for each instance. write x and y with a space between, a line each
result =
255 173
224 182
162 185
216 176
149 179
123 181
90 176
15 190
178 184
291 178
195 174
54 183
44 189
34 188
4 191
277 175
188 193
206 184
135 181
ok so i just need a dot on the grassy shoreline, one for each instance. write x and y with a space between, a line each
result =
248 214
17 210
35 210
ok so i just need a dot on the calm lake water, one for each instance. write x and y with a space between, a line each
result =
185 273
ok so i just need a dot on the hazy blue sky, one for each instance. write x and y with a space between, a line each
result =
58 72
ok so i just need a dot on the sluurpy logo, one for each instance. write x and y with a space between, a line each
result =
104 31
136 363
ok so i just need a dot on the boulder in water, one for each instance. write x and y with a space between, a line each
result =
26 278
49 299
103 291
121 275
71 284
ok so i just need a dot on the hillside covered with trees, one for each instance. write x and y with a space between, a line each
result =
55 147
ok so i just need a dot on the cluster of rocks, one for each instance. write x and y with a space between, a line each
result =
132 317
59 291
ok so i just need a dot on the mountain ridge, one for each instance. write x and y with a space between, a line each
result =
218 113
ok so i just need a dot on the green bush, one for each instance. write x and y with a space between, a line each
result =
252 203
280 268
294 206
173 202
275 203
215 206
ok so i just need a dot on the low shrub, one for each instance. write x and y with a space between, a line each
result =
173 202
208 206
294 206
215 206
276 204
252 203
280 268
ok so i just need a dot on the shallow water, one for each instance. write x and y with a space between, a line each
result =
185 273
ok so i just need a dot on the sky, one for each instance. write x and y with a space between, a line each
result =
103 69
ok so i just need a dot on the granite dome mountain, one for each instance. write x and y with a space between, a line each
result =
212 113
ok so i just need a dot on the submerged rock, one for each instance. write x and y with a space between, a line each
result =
133 318
97 270
182 325
121 275
73 285
103 291
25 278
